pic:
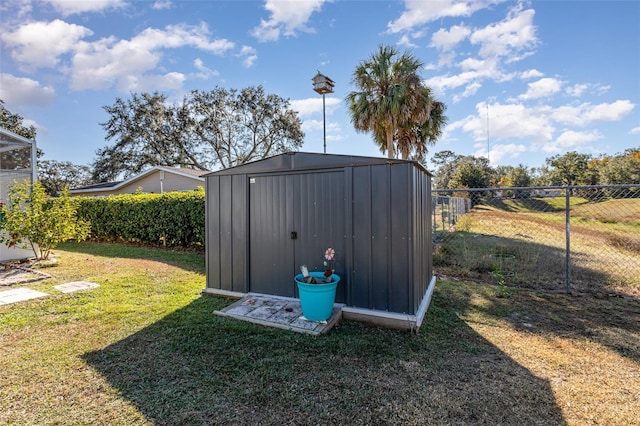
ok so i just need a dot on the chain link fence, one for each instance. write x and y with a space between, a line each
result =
576 238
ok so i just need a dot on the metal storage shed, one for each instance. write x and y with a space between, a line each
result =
268 217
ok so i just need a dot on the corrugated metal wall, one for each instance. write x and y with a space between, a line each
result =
391 233
227 236
377 217
293 218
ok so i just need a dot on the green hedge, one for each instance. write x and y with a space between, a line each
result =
177 218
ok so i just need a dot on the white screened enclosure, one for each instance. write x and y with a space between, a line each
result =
17 164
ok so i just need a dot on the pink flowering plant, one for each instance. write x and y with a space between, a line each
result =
328 262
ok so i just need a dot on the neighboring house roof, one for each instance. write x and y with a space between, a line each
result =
103 185
112 187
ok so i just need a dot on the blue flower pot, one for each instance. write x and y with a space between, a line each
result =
317 300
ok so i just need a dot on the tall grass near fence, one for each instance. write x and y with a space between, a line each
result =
524 242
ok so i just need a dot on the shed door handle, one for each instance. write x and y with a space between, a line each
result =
294 235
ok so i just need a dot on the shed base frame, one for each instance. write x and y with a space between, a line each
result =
371 316
392 319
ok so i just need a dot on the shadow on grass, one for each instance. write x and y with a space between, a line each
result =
612 321
175 257
193 367
599 313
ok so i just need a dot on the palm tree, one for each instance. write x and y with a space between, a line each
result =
414 136
393 104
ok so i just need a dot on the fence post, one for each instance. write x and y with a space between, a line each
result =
567 195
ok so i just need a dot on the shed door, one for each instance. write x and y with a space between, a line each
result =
292 219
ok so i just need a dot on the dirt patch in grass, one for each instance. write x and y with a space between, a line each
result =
11 275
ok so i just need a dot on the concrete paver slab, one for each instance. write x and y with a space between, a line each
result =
75 286
278 312
19 295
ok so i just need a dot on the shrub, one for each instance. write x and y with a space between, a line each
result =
171 219
33 220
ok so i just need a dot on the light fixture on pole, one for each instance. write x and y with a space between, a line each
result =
323 85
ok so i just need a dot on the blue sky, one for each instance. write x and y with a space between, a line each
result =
527 80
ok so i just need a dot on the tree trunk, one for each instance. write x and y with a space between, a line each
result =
390 152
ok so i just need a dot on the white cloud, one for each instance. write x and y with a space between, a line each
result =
473 71
513 38
542 88
205 72
311 106
19 92
317 125
287 18
314 139
576 90
536 127
420 12
249 56
446 40
40 44
162 4
405 41
470 90
150 82
174 36
70 7
100 64
571 139
15 11
446 59
472 64
526 75
508 121
586 113
635 131
499 151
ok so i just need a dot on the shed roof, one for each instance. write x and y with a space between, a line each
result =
295 161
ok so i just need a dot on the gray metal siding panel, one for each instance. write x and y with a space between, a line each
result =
380 225
418 285
226 229
213 232
400 203
239 233
309 204
271 248
361 276
319 220
422 237
348 234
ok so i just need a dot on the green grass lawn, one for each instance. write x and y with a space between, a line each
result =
146 348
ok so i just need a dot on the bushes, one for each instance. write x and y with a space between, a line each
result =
33 220
176 219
